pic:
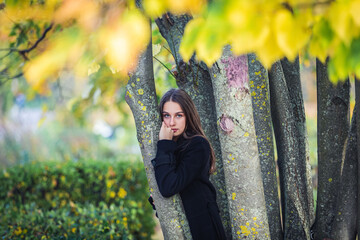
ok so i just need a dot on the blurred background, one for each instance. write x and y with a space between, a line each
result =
70 162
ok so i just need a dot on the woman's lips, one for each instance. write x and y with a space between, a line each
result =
174 129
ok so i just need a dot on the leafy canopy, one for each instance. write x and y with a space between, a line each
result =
87 32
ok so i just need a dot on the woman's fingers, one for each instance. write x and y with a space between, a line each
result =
165 132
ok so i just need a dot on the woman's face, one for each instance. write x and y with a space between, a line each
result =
174 118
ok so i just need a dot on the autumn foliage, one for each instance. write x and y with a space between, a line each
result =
88 32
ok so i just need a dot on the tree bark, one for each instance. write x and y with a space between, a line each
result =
239 147
293 81
345 223
141 97
357 110
259 90
195 79
293 179
333 127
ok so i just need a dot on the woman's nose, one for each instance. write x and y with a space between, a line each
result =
172 122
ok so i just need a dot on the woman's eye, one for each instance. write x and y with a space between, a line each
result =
166 115
179 115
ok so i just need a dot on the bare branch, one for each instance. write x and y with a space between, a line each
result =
38 41
24 51
6 54
10 78
164 66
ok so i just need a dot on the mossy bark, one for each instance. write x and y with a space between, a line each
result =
141 97
259 90
239 147
195 79
293 178
333 127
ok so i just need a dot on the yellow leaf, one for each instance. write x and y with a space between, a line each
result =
188 43
341 21
248 28
247 41
269 52
322 38
210 44
155 8
354 11
122 193
22 11
66 46
84 11
112 194
290 33
338 64
125 40
94 67
186 6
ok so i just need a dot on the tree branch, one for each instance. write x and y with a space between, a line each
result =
164 66
24 51
10 78
38 41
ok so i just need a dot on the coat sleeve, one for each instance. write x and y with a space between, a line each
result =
172 179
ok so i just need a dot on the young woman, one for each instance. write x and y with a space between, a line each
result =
183 163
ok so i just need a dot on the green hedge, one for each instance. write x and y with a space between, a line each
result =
75 200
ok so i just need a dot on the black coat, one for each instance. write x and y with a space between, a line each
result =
183 167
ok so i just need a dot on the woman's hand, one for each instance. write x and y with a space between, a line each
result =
165 132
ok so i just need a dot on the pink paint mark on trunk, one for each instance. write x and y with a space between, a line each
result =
236 71
226 124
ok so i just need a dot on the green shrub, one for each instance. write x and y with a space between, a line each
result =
75 200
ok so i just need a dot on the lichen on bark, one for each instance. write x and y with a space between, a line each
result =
344 226
293 180
239 150
332 131
141 97
259 91
194 78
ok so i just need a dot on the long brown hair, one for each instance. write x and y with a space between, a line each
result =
193 125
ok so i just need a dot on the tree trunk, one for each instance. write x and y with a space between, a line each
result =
344 226
239 147
293 179
333 127
195 79
141 97
357 111
293 82
259 90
